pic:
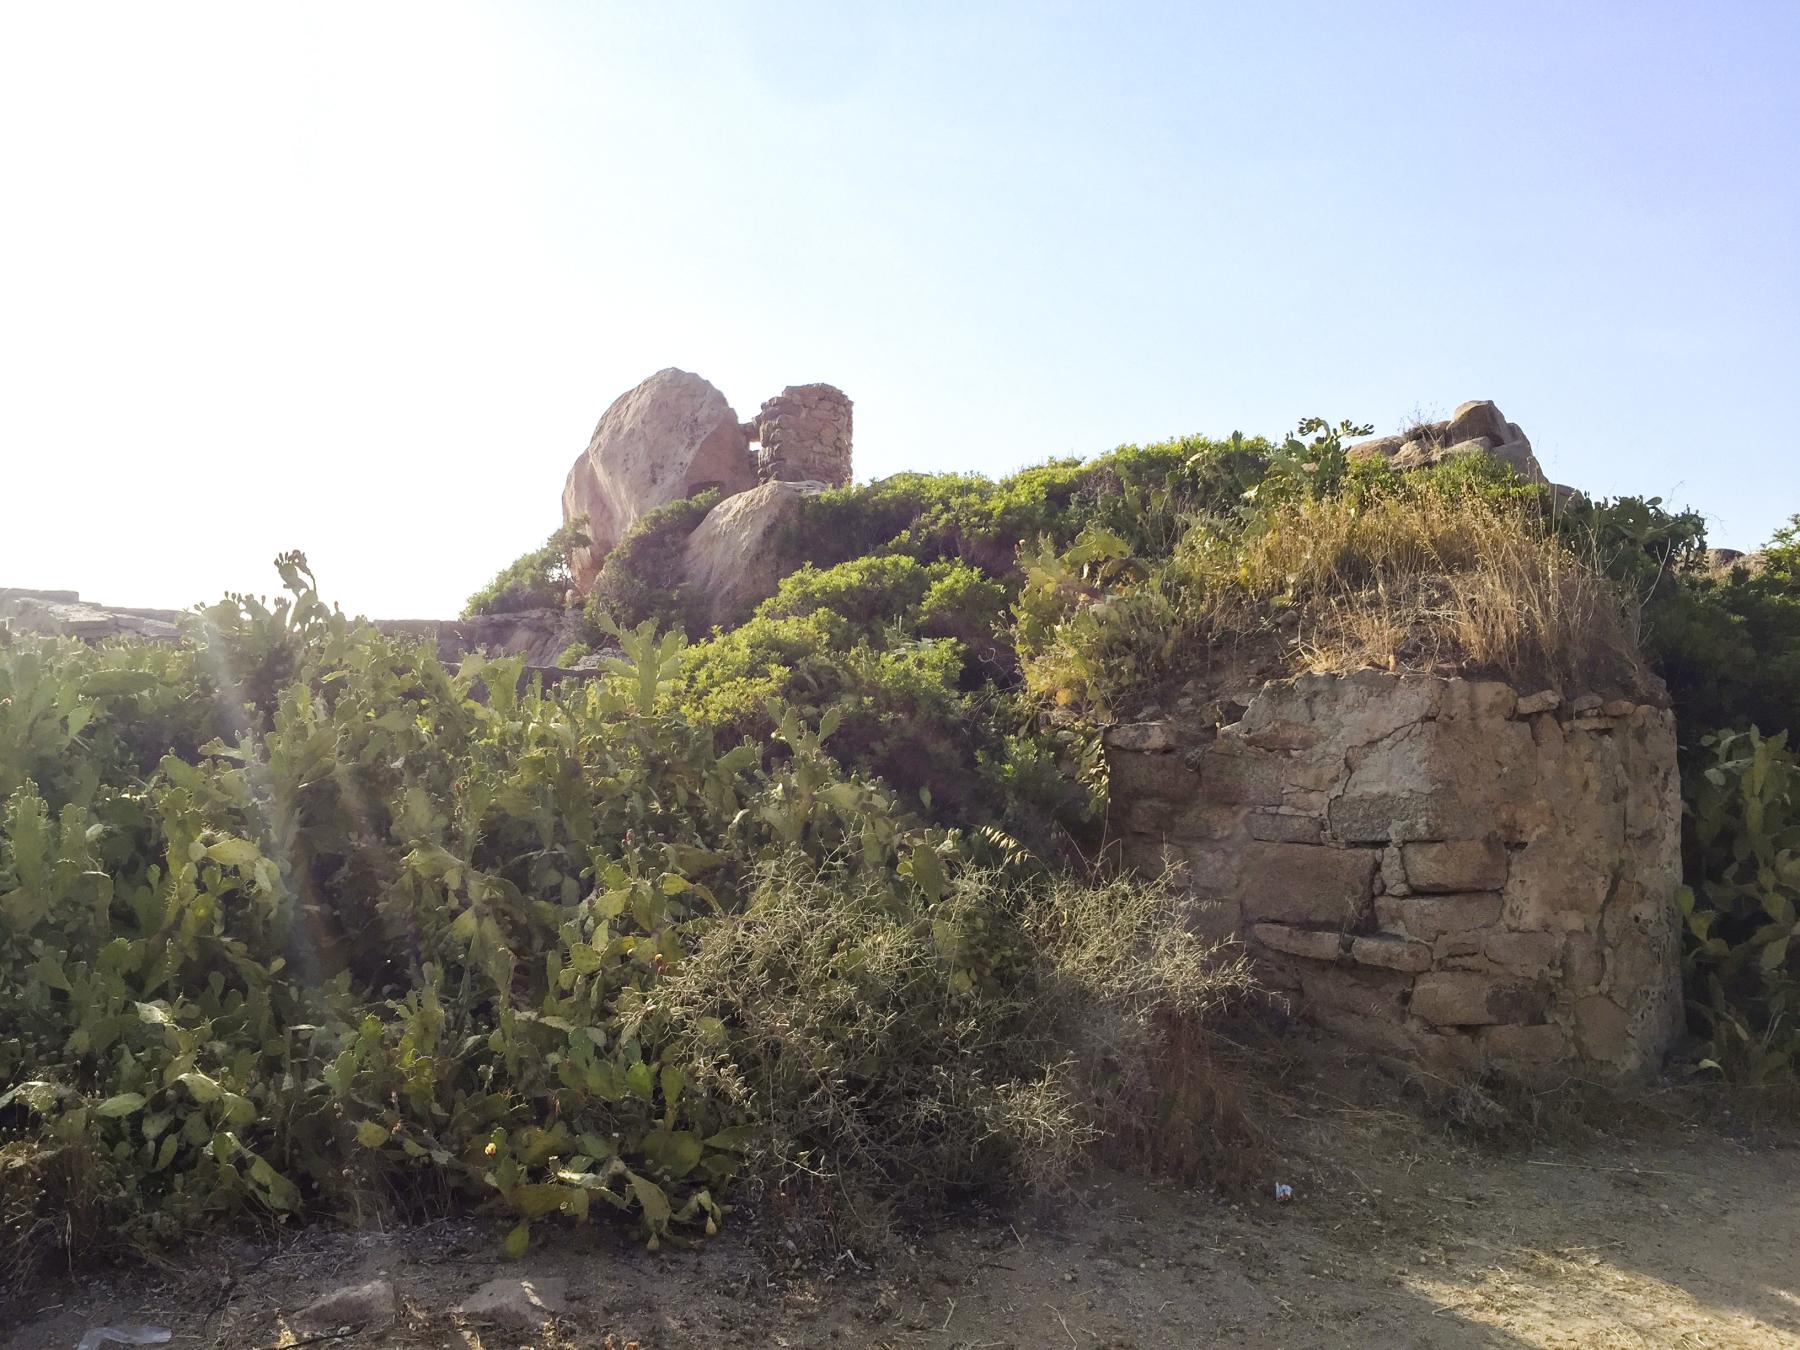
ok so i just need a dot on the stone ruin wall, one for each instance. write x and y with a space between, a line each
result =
803 435
1433 868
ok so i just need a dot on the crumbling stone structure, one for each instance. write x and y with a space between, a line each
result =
803 434
1440 869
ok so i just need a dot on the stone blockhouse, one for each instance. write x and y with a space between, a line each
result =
803 435
1442 869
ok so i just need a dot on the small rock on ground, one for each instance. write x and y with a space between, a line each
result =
367 1306
521 1303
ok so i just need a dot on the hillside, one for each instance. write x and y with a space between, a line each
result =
812 907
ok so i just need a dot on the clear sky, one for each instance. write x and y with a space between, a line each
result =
360 279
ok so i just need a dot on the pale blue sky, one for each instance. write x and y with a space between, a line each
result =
360 279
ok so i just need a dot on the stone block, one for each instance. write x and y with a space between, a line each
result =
1368 818
1460 951
1603 1031
1455 998
1306 802
1548 736
1283 736
1429 917
1289 829
1203 822
1151 774
1532 955
1559 882
1313 943
1547 700
1456 865
1477 701
1390 953
1301 883
1393 872
1522 822
1584 963
1149 816
1139 737
1232 772
1378 817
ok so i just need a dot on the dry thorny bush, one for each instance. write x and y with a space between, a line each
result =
1000 1040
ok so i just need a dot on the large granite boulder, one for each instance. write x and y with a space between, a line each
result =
1476 427
672 436
733 557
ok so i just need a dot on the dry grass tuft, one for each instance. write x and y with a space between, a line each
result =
1425 580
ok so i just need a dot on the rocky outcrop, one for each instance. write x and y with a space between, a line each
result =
1437 868
1476 427
672 436
62 614
733 557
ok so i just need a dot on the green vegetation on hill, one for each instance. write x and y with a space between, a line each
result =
295 921
974 633
536 580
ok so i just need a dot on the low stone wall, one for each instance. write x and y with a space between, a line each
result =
62 614
540 635
1436 868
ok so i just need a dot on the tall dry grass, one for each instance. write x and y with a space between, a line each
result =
1418 581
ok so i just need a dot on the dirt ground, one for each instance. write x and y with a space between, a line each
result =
1651 1224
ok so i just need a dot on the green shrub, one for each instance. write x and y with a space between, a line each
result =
868 594
641 578
388 933
537 580
1327 565
574 654
1729 645
397 934
1742 905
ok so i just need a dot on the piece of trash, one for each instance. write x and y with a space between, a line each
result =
101 1336
1283 1193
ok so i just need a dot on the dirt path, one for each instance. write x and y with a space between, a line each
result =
1398 1236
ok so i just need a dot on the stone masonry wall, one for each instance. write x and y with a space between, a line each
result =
804 432
1435 868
